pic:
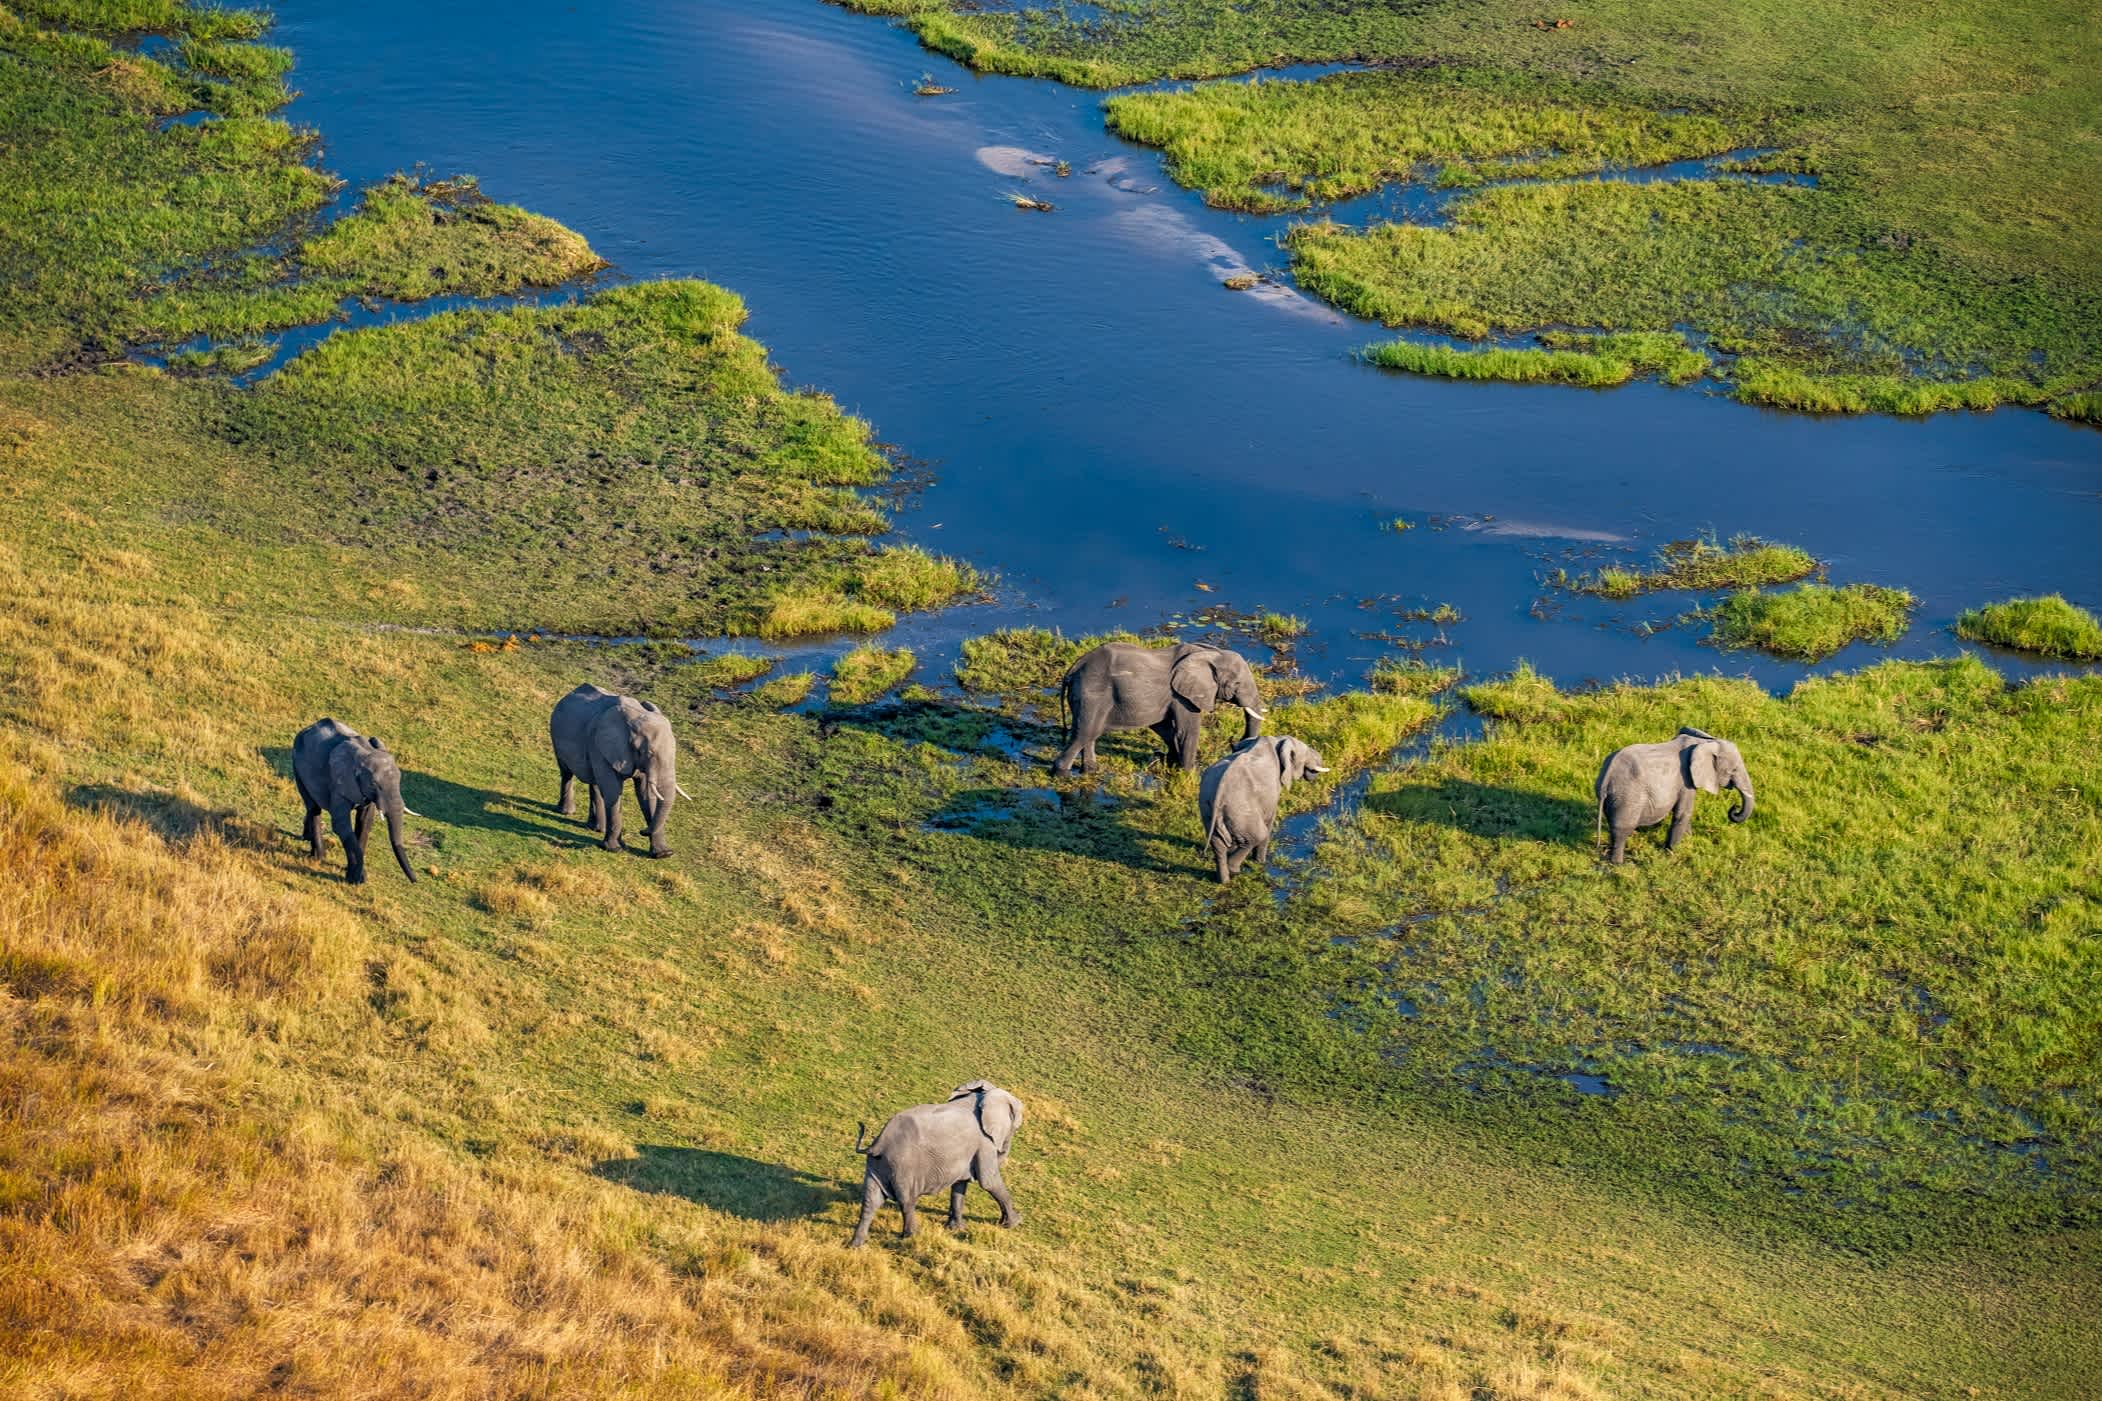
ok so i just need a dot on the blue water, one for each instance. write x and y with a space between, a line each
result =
1107 427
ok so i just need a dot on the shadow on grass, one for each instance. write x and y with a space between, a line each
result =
458 805
728 1183
1484 811
176 819
1073 822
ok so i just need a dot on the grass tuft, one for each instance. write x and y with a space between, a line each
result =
1702 563
2048 626
865 673
1811 621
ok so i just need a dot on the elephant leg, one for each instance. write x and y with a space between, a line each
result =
989 1178
594 810
1619 852
910 1226
566 803
364 821
606 788
871 1203
956 1191
339 817
1681 824
1219 855
1081 747
1262 852
312 831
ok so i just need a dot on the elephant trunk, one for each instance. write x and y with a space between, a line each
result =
1252 721
394 812
656 810
1744 800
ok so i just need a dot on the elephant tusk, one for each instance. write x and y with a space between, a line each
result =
407 811
1254 714
682 792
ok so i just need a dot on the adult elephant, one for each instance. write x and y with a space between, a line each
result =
931 1146
1642 784
347 774
607 740
1168 690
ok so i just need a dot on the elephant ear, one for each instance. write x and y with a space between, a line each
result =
1700 765
999 1115
1194 680
1291 760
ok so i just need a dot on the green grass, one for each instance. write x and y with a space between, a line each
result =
1871 1004
1703 563
1811 621
729 670
1939 263
1284 145
413 239
2048 626
1025 661
865 673
1411 676
1278 629
1589 361
783 691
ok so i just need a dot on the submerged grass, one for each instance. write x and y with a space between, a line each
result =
2047 626
1811 621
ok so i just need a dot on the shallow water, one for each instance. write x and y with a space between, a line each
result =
1107 426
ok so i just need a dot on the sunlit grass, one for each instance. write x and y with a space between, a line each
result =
1811 621
861 675
2048 626
1702 563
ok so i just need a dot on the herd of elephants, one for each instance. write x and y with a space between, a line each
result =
610 740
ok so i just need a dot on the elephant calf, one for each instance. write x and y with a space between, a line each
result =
931 1146
347 774
607 740
1237 797
1642 784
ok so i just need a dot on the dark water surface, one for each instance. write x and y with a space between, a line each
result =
1107 426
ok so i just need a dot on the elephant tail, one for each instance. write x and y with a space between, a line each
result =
860 1131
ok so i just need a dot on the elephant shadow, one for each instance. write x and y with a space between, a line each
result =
177 819
1484 810
1073 822
459 804
726 1182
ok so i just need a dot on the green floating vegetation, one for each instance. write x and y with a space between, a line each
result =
2048 626
865 673
1283 145
1278 628
1590 361
1812 621
1411 676
1700 564
1761 381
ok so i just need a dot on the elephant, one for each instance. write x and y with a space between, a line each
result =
607 739
1237 797
1642 784
1169 690
348 774
931 1146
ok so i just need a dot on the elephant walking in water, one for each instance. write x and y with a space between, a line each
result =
1642 784
608 740
347 774
931 1146
1168 690
1238 796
